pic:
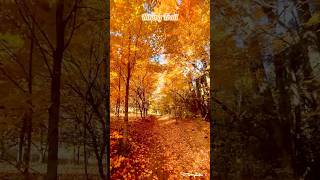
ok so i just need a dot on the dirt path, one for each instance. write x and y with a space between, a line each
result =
165 148
153 146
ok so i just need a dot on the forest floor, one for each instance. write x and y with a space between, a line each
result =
65 172
162 147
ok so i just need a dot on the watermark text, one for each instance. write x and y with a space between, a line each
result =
190 174
159 17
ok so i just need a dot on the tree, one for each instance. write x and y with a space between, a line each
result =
42 54
274 72
133 35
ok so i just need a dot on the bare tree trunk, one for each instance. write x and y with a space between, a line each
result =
27 152
78 153
29 114
54 110
85 152
99 157
74 153
101 169
42 148
21 142
106 80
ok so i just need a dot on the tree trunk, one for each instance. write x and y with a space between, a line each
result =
126 113
275 76
140 109
101 169
27 152
106 80
85 152
78 154
54 110
119 96
99 158
42 147
29 114
74 153
126 103
21 142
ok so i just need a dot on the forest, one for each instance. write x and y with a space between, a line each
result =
243 71
53 71
159 90
264 89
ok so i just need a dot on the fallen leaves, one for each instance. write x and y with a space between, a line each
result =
162 151
116 135
117 160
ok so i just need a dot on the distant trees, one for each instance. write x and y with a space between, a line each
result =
144 85
186 47
142 52
13 53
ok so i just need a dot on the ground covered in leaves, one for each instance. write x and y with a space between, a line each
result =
161 148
